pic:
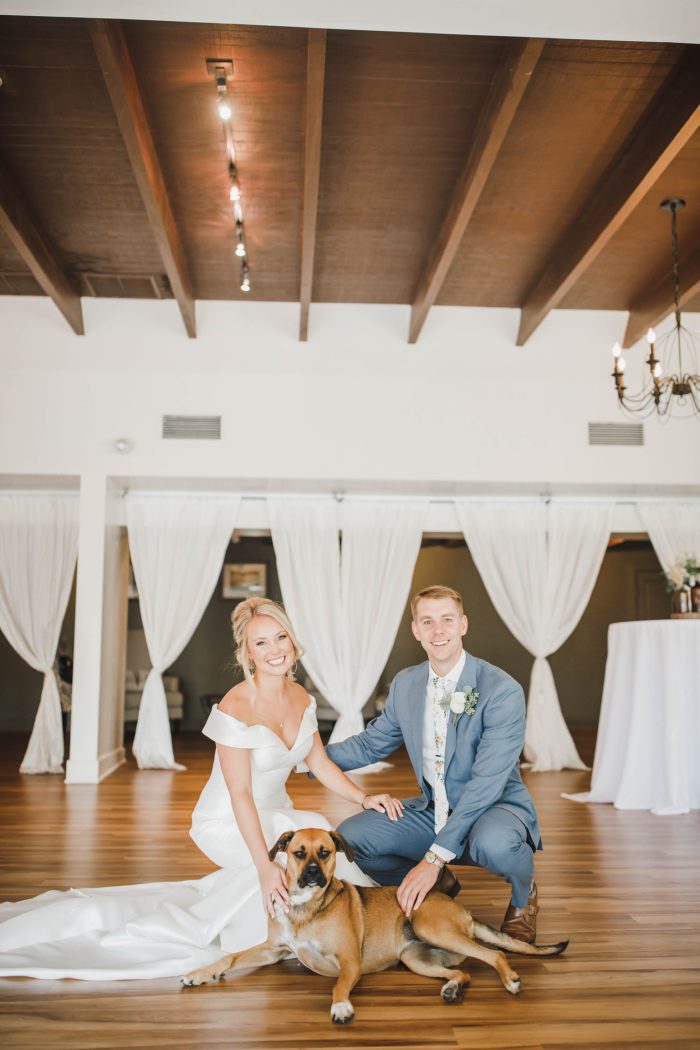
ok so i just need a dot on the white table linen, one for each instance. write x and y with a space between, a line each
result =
649 734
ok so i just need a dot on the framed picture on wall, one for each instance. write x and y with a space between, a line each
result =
245 580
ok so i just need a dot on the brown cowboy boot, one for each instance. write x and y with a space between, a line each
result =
447 883
521 923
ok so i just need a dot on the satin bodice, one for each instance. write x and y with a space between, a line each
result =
271 761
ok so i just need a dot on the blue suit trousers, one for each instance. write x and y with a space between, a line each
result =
387 850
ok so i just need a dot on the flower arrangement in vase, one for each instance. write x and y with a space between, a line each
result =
683 582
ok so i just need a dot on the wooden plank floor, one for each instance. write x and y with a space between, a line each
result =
622 885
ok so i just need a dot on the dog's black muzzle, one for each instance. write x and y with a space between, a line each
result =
312 875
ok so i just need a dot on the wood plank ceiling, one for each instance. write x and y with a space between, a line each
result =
373 167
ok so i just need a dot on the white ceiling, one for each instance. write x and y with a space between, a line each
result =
675 21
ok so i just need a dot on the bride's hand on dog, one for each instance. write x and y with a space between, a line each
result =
393 807
274 889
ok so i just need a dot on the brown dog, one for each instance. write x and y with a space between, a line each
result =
340 930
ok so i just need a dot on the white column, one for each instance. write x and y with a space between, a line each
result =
97 673
110 739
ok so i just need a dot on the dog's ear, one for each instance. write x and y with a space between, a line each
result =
281 844
342 846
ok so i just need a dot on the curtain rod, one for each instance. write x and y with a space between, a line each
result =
414 498
620 501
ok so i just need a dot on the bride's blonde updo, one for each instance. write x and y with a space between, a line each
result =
240 621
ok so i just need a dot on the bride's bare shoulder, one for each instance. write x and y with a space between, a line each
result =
237 702
299 695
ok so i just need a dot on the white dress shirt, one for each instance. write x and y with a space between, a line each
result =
450 679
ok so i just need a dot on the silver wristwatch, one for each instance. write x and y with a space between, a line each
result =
432 858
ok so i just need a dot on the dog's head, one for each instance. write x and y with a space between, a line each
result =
310 859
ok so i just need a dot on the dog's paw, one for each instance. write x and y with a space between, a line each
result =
197 977
452 991
512 983
342 1012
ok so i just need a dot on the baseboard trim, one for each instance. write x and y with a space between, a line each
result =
93 770
111 761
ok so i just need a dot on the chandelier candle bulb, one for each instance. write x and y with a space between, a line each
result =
651 360
651 336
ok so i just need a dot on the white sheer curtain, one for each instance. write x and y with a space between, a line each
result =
539 563
381 541
305 538
177 545
346 609
673 528
38 551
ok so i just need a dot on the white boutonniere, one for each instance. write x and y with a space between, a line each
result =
463 703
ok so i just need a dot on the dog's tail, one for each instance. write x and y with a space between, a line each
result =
488 935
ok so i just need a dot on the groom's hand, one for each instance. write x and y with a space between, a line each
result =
417 884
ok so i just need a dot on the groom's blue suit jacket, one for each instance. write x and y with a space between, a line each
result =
482 750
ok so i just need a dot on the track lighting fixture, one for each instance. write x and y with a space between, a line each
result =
222 72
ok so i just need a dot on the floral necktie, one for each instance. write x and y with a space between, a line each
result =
442 689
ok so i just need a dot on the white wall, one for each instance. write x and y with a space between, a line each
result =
354 404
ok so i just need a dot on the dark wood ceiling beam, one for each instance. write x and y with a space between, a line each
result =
315 74
23 229
657 303
113 56
670 120
497 116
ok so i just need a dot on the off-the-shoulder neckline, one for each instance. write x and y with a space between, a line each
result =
311 706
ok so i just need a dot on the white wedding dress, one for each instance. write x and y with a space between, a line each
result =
165 929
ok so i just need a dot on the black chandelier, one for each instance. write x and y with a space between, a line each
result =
669 389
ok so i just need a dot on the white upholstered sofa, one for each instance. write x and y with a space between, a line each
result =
138 665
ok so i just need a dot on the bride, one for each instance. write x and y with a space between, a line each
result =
263 728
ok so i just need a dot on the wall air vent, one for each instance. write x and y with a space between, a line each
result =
615 433
192 428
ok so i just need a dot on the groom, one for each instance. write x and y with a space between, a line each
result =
463 723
